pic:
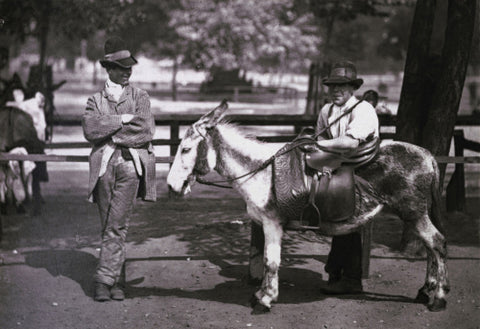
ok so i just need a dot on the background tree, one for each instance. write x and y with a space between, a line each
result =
433 82
43 19
434 76
475 51
394 40
244 33
345 28
150 31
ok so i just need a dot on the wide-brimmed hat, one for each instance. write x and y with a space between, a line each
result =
116 52
343 73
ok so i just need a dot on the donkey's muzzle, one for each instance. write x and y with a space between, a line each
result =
172 193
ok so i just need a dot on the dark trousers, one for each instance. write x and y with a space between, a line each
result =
345 257
115 195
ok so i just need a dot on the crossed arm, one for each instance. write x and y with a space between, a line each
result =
129 130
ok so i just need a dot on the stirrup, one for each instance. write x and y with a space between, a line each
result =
310 209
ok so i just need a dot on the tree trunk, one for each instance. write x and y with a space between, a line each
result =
440 124
414 100
174 78
432 85
413 105
43 22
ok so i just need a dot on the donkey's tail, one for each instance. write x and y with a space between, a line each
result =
436 190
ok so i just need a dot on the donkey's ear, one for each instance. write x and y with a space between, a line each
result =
213 117
217 114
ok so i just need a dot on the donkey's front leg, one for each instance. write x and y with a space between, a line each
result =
269 291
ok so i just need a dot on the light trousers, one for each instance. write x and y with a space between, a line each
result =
115 194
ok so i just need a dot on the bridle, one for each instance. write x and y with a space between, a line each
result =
299 141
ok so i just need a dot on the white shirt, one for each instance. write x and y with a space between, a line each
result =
360 124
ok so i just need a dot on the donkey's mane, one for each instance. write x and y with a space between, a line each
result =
243 143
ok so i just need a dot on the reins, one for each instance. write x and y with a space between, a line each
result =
297 142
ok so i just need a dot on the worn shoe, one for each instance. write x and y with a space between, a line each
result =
116 292
102 292
334 277
345 286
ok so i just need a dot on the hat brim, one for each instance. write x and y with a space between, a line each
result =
124 62
342 81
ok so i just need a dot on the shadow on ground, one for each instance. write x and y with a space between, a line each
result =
79 266
297 285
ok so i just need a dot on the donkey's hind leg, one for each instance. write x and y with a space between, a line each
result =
436 280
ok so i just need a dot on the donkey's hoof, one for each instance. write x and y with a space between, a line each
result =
438 304
257 307
422 297
253 301
260 309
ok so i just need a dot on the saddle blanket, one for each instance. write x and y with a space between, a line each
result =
291 181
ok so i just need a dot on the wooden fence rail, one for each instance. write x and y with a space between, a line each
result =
455 189
456 186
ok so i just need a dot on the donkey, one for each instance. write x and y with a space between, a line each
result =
405 175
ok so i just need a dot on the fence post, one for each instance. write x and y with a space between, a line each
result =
174 135
366 233
456 186
235 94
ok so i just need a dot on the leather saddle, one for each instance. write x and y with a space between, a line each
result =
332 183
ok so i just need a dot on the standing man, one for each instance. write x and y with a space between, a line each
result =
344 263
119 124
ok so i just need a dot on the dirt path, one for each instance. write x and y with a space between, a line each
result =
186 267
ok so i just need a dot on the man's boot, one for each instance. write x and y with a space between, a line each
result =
102 292
116 292
344 286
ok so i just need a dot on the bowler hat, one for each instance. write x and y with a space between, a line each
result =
343 73
116 52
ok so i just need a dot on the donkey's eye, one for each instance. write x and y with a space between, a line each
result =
186 150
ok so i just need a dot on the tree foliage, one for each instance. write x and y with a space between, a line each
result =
71 20
244 33
394 41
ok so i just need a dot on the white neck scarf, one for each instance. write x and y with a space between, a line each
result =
114 89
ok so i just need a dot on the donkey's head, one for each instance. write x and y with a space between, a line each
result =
195 155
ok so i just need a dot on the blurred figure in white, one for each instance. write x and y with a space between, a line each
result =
34 107
16 179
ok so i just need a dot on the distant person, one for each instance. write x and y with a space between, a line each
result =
358 123
13 97
119 124
372 97
34 107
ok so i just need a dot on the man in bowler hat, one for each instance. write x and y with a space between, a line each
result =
344 263
119 124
